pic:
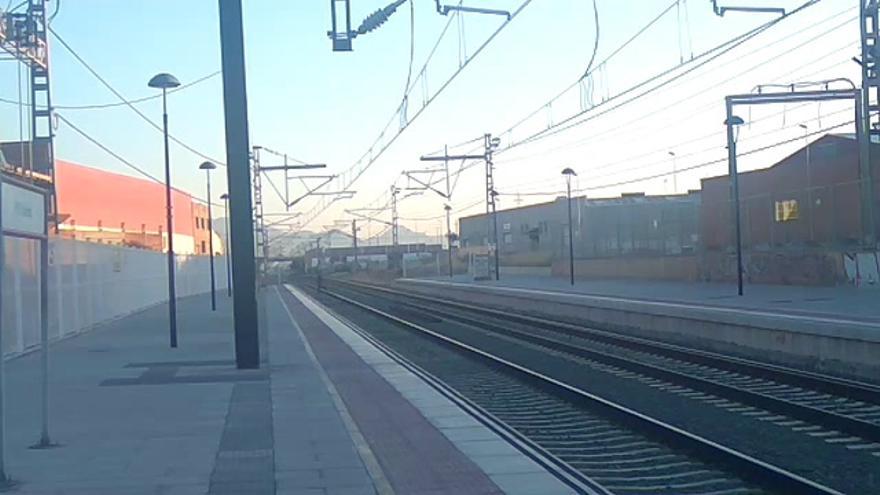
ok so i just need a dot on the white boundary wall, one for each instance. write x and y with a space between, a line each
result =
89 284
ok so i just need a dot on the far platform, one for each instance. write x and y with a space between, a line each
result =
845 304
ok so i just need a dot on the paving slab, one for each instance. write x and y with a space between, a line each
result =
130 415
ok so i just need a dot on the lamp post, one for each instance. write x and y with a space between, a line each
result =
165 82
207 167
225 198
733 122
569 173
674 173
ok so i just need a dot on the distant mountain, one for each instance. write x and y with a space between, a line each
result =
407 236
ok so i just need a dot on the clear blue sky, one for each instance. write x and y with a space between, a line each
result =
323 106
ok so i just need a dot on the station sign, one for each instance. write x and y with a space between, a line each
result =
23 210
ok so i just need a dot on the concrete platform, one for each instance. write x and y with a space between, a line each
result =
329 416
837 332
844 303
132 416
424 443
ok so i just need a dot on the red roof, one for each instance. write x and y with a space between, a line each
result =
87 195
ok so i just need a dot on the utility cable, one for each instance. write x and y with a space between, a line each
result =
704 58
122 160
100 106
595 43
686 169
126 102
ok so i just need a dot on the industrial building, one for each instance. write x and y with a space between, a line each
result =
801 224
534 238
137 217
109 208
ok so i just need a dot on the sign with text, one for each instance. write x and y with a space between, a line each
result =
23 210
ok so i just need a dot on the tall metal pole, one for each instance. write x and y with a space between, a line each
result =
172 296
45 441
448 208
570 234
449 236
490 202
354 239
867 19
227 251
734 195
211 244
395 221
4 479
247 340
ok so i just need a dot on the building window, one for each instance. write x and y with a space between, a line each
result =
204 250
507 227
508 238
787 211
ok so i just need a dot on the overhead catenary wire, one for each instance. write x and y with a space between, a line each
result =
412 46
595 42
735 42
688 168
352 173
688 67
590 68
723 47
688 99
695 112
592 171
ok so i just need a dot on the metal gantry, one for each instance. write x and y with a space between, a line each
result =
24 35
490 144
732 122
262 233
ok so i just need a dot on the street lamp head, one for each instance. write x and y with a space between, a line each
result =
224 196
734 120
671 153
803 126
163 81
207 166
447 207
568 171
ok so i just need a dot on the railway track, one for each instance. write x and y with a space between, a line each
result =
626 451
839 411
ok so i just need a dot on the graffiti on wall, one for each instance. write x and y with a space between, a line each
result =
862 269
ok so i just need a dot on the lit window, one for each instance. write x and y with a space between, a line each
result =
787 211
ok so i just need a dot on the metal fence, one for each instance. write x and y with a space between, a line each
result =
655 228
88 284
